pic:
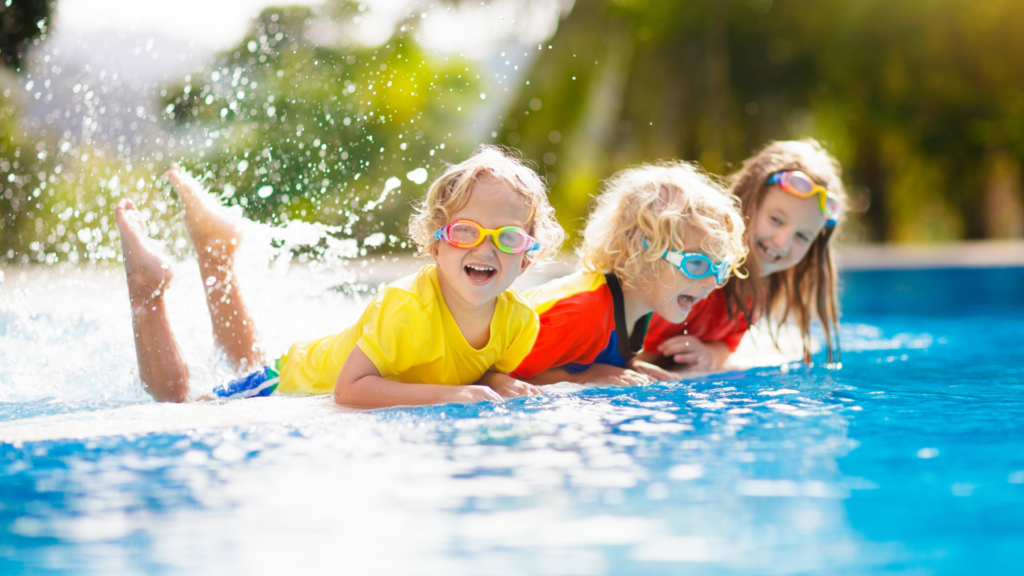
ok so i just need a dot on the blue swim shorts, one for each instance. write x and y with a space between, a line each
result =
262 382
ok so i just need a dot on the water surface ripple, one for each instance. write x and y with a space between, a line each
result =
909 458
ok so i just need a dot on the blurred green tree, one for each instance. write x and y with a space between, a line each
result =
306 124
21 23
922 101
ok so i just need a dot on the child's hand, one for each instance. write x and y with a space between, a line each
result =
608 374
473 394
656 373
692 353
508 386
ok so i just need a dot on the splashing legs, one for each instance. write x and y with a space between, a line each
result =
215 235
162 367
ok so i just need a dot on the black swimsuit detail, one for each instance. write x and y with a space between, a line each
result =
628 346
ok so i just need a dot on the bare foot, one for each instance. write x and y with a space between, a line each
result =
214 232
148 274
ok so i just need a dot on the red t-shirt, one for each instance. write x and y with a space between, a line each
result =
708 320
582 322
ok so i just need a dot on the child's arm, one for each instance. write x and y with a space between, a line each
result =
594 374
651 369
508 386
360 385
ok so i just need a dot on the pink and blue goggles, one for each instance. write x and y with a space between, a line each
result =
467 234
802 186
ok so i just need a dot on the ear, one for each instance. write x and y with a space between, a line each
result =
524 265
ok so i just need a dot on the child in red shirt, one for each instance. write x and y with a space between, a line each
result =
792 197
660 239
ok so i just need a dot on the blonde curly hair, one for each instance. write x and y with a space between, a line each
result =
658 203
450 193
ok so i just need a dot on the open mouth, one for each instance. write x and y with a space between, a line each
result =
685 301
770 255
480 273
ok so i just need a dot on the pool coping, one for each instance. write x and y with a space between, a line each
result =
967 254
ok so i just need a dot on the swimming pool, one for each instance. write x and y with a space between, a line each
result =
908 459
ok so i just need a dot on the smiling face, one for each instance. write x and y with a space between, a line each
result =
784 229
672 294
473 277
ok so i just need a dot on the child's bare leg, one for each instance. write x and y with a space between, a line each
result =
215 235
162 368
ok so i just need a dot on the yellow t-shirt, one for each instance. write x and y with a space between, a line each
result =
410 336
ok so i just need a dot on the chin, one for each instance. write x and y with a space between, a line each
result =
675 316
767 268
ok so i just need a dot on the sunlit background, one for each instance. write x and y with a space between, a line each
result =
339 112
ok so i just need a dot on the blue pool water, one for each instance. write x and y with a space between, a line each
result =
909 459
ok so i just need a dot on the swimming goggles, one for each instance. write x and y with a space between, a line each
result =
696 265
802 186
467 234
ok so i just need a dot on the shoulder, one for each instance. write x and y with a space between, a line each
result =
515 315
419 289
715 303
714 307
516 305
582 289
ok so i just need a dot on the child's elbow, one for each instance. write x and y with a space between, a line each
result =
343 393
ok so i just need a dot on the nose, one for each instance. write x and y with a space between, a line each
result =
486 247
782 242
709 283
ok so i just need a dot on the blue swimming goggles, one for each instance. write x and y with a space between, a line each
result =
696 265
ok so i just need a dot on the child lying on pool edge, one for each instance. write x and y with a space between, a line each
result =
449 333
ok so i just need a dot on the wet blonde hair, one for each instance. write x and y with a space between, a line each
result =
808 289
659 203
450 193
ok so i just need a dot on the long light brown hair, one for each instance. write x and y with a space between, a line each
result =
808 289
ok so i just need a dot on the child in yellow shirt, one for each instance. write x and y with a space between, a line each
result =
449 333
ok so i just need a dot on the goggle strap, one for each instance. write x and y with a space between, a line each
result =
674 258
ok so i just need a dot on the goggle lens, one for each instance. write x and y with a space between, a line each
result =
800 183
832 207
513 239
463 233
697 267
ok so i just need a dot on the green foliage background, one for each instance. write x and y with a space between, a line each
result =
313 132
921 100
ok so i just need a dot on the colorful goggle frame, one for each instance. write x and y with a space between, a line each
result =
802 186
467 234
